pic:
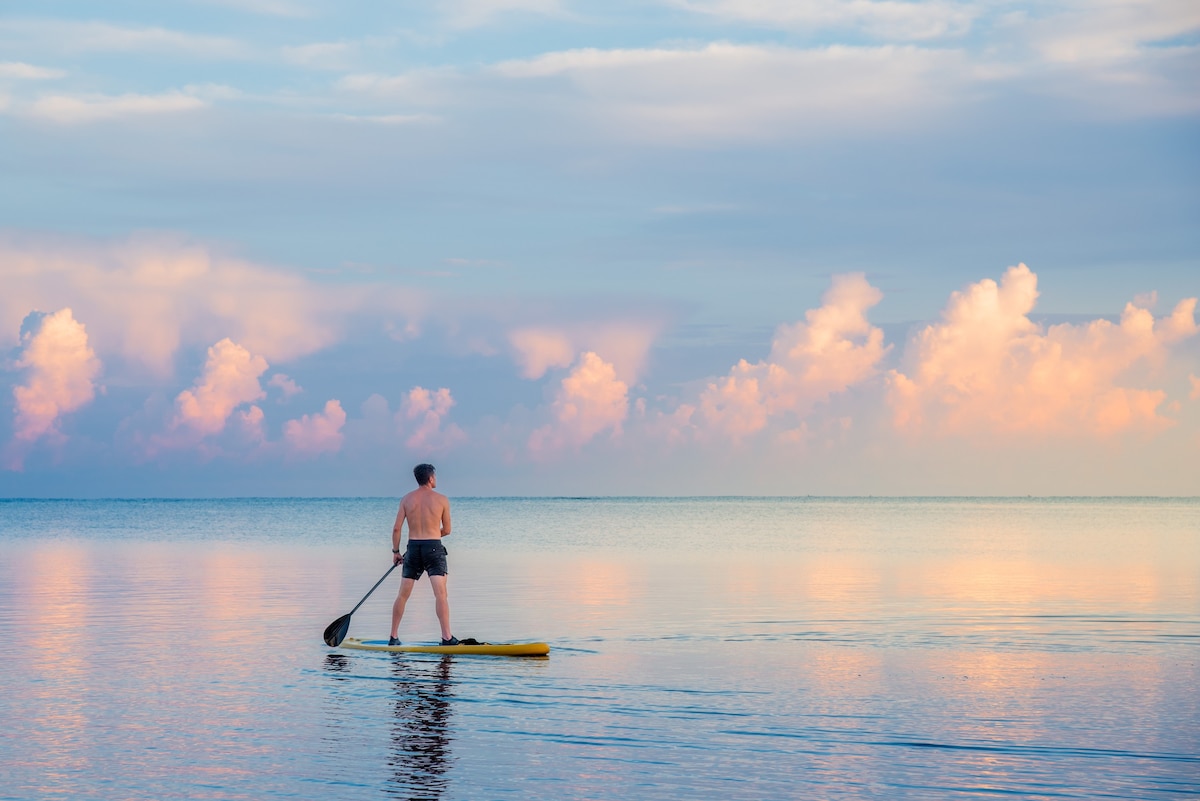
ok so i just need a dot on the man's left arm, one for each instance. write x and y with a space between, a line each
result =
446 518
397 556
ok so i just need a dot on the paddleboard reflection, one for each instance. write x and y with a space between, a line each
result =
421 729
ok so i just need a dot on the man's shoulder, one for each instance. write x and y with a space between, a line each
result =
422 492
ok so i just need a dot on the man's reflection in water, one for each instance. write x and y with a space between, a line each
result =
421 730
337 663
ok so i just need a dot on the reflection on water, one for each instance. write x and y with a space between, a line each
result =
421 728
338 666
887 650
418 755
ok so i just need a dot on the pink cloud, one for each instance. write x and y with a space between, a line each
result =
590 400
537 350
625 344
285 385
832 349
987 369
230 379
250 422
427 410
674 427
317 433
62 370
148 296
1195 393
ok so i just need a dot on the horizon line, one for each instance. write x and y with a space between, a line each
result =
594 497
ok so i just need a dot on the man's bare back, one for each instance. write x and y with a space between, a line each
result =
427 513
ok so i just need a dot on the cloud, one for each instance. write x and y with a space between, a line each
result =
724 90
68 110
28 72
285 385
696 95
1121 56
62 369
476 13
589 401
230 379
68 36
147 296
623 343
883 19
1133 59
250 422
1106 32
834 348
986 370
388 119
1195 393
321 55
538 350
273 8
426 410
317 433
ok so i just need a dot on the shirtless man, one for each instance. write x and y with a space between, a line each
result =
428 516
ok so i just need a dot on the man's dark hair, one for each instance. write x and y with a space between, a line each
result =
422 472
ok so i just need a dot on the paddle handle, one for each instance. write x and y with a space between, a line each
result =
368 595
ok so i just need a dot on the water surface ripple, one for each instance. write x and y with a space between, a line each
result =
703 648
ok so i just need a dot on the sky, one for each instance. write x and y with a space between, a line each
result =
674 247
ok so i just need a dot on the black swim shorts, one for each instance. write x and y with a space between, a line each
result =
424 556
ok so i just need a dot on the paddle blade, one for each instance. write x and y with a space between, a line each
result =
336 631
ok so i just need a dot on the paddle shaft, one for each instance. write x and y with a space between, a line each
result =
368 595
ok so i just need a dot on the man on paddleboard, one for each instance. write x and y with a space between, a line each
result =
428 514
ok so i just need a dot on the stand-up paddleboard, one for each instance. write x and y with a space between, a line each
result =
496 649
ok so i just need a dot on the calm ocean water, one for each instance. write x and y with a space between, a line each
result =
702 649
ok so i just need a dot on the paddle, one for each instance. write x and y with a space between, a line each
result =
336 631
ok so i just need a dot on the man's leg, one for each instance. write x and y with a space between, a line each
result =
441 599
406 588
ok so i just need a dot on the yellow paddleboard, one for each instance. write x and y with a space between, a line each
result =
491 649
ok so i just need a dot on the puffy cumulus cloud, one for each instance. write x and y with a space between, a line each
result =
421 415
62 369
229 380
538 350
1195 393
250 422
625 344
145 297
285 385
590 400
674 427
316 433
832 349
987 370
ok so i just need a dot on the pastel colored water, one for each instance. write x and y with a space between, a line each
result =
703 648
